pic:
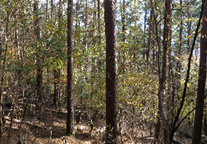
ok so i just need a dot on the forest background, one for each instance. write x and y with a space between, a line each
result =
158 59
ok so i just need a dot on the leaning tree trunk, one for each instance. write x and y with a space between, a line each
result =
111 71
201 82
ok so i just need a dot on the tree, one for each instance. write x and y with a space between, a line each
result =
111 70
123 12
39 75
201 81
57 69
189 23
150 34
1 89
162 74
70 111
2 65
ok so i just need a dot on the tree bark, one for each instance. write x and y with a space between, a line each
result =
1 89
46 13
39 76
162 77
86 26
51 12
111 70
93 60
189 29
57 69
123 12
202 81
99 36
99 23
150 35
70 111
2 70
180 45
178 68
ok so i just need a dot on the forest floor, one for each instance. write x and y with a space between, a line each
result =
50 128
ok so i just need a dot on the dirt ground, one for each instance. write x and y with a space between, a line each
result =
49 128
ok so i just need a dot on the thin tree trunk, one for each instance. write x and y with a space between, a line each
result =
86 64
39 76
2 71
145 26
162 77
56 85
180 50
86 26
150 34
170 78
93 63
46 15
201 82
123 12
56 69
1 89
153 41
76 22
70 111
51 13
111 71
180 45
189 28
166 43
99 23
99 37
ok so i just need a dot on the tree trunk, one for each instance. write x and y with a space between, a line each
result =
57 69
178 69
1 89
111 71
189 28
76 22
86 26
166 43
51 12
145 27
170 95
123 12
99 23
205 123
99 36
70 111
2 70
180 45
150 34
46 9
162 77
201 82
39 76
56 85
93 60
